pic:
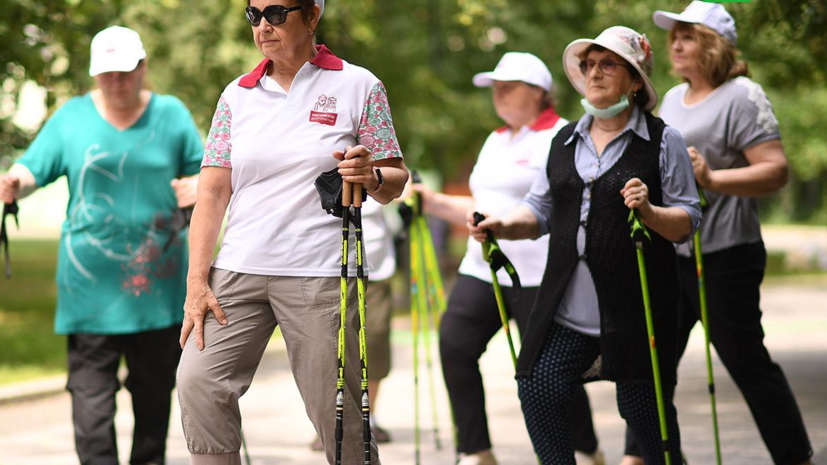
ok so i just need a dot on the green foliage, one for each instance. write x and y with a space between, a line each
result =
426 52
27 306
47 42
193 53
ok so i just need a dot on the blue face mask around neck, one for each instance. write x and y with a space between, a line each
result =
608 112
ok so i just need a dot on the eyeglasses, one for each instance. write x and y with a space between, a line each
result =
607 67
274 14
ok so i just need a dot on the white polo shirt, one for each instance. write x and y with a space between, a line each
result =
378 241
276 143
502 176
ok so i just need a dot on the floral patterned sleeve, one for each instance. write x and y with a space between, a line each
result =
218 148
376 126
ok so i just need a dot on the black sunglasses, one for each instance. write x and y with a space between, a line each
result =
274 14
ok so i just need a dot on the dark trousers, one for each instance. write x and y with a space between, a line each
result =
546 401
733 278
471 320
151 359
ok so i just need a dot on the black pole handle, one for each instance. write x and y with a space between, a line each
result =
479 218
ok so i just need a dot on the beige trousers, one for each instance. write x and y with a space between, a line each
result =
211 381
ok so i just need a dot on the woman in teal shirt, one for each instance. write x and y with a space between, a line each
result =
122 262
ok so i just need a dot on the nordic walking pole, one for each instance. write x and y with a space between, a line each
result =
639 234
363 346
426 295
488 247
699 264
8 209
427 291
432 266
416 290
347 197
496 259
244 446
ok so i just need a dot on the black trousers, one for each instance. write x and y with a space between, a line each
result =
733 278
546 401
471 320
151 359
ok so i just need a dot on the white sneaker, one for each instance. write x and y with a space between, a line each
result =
597 458
483 457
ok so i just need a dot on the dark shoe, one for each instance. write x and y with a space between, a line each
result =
381 435
317 445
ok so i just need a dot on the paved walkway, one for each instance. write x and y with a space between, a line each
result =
38 432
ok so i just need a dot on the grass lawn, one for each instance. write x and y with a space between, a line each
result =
29 348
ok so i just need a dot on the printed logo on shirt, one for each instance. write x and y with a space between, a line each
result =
324 111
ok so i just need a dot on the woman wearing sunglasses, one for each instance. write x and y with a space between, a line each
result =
301 112
511 158
588 319
737 156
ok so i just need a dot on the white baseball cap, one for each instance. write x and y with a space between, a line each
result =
711 15
517 66
116 49
321 7
628 43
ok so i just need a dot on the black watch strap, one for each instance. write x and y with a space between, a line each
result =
381 182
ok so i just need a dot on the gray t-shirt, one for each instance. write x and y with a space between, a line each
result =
735 116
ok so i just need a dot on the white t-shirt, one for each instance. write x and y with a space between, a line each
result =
378 241
277 143
505 169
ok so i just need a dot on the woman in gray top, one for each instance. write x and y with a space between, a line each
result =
737 156
588 319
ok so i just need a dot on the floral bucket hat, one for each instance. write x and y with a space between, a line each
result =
628 43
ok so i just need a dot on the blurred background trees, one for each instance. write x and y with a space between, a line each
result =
426 52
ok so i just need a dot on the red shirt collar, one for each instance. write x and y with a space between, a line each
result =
324 59
547 119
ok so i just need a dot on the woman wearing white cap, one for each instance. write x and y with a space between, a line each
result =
300 112
728 123
122 259
588 320
511 158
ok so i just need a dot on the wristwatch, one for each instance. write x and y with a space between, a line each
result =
381 182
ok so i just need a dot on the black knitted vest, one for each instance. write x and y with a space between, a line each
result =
611 258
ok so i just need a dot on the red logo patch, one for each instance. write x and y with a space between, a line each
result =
324 111
323 118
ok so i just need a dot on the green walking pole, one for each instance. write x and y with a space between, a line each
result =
361 287
493 254
699 264
426 280
417 301
427 305
639 234
435 287
244 448
347 200
337 198
490 251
